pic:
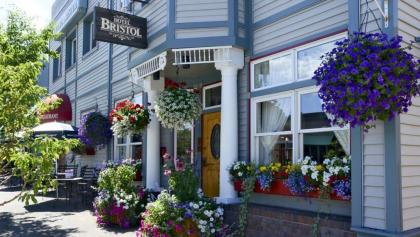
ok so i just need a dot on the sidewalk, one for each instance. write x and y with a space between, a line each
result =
50 218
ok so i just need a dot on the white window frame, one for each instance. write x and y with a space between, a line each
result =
205 89
254 134
292 51
296 131
192 144
73 51
128 144
91 25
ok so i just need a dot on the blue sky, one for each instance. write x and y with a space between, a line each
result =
38 10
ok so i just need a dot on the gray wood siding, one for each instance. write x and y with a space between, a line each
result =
370 25
156 13
311 21
409 23
374 177
243 107
201 32
201 10
266 8
153 44
241 11
410 166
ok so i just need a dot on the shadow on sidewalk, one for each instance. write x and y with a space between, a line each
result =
57 205
14 226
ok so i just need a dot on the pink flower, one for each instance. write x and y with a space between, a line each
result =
178 228
166 156
179 165
167 172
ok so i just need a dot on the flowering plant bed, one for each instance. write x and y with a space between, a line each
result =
182 210
128 117
367 77
137 164
306 178
119 202
177 107
94 130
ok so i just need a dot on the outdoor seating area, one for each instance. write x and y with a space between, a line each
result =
76 182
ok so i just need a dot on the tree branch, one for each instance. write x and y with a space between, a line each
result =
11 200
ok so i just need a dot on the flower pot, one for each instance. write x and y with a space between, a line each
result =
334 196
90 151
277 187
237 184
189 228
313 194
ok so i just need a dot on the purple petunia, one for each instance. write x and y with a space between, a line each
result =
367 77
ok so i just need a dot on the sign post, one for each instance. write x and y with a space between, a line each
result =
120 28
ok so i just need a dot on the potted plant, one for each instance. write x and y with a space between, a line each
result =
128 117
94 130
367 77
119 202
239 171
337 176
176 107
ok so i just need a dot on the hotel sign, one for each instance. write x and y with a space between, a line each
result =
120 28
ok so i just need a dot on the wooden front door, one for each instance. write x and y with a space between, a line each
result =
211 154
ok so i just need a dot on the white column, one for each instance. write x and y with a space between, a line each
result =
229 123
153 88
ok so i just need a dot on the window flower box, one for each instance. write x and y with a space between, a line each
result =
277 187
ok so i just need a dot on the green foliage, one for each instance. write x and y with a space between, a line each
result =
22 53
184 184
117 178
163 211
248 187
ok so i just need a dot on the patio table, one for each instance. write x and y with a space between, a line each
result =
68 180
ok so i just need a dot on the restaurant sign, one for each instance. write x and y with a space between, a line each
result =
120 28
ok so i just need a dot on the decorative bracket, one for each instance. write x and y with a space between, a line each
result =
384 12
147 68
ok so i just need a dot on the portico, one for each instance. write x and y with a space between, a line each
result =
227 61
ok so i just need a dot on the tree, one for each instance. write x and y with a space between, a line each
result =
22 53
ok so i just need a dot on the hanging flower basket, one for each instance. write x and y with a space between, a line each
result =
95 130
128 117
177 107
365 78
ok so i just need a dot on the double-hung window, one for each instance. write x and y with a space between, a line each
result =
291 124
88 34
71 50
57 65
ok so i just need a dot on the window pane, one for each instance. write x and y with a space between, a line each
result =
136 152
121 140
274 72
274 115
310 59
312 115
326 144
136 138
213 96
183 143
121 153
275 149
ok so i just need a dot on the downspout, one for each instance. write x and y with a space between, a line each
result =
75 79
110 62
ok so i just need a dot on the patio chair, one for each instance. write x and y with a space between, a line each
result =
85 188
